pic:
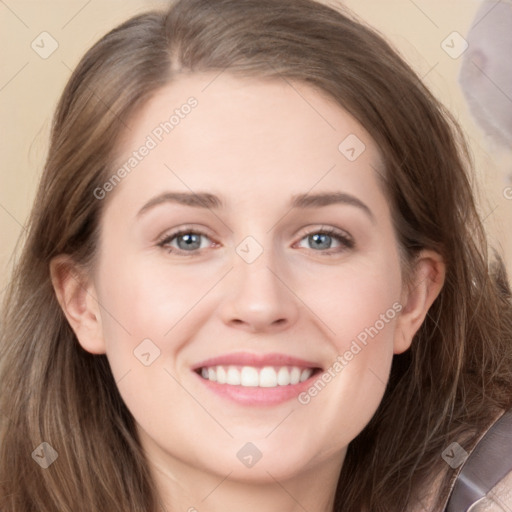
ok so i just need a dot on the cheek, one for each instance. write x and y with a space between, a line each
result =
141 306
358 307
146 299
355 299
151 310
351 388
169 305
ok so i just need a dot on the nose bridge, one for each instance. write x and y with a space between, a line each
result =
255 264
257 297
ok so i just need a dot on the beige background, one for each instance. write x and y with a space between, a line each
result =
30 87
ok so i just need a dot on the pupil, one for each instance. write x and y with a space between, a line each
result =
191 241
321 240
318 238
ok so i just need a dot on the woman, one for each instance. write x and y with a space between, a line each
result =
254 278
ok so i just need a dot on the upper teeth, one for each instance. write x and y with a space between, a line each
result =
250 376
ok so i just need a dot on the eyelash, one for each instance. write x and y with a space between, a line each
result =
342 238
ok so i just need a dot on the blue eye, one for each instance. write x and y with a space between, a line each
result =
188 242
322 240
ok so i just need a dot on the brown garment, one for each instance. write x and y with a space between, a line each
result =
499 499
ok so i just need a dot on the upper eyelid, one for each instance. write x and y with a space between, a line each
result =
326 229
165 239
342 234
181 230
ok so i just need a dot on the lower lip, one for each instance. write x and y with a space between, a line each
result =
252 395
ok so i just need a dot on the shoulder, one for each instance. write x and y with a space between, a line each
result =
435 496
499 499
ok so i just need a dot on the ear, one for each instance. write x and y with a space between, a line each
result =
77 298
424 286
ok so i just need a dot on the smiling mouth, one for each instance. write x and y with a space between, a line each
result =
252 376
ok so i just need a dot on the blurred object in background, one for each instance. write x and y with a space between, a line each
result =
486 72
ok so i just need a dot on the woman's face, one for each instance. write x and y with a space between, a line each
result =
286 269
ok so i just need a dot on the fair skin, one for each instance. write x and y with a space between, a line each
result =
254 144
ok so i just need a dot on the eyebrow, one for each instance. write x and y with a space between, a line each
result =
211 201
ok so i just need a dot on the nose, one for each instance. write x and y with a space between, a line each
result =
258 297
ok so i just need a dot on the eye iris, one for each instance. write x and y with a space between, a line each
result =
321 240
191 241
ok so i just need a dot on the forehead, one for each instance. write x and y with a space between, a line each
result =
218 131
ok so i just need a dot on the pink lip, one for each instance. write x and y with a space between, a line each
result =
256 360
253 396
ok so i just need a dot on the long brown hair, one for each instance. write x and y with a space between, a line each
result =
458 371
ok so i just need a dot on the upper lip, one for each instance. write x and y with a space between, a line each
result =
257 360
